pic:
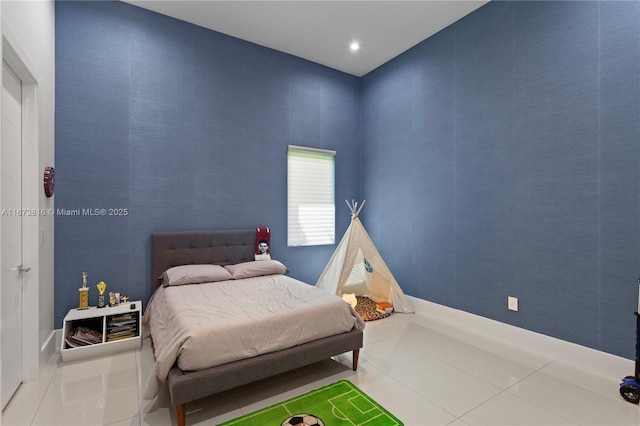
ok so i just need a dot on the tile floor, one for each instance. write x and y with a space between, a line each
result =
423 370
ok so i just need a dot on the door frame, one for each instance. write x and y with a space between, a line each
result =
18 61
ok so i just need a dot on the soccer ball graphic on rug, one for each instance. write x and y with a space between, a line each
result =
303 420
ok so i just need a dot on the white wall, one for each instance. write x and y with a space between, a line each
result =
28 27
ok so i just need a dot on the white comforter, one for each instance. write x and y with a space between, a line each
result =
205 325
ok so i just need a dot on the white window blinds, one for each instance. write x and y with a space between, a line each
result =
310 196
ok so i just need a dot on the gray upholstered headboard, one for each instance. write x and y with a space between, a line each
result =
226 247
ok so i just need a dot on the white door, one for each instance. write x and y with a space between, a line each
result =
11 203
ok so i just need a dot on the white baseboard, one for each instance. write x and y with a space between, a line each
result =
48 349
50 345
57 339
570 353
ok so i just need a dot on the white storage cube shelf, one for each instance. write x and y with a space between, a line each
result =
97 319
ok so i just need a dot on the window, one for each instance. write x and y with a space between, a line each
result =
310 196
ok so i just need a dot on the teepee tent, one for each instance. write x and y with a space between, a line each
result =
357 267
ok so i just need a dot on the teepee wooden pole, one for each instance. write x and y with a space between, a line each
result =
353 211
353 207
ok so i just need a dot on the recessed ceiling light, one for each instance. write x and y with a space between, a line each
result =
354 46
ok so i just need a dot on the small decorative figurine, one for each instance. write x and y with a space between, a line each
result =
102 286
114 299
83 293
124 299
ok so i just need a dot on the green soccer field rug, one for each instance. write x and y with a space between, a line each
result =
338 404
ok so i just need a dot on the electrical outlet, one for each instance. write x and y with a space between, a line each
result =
512 303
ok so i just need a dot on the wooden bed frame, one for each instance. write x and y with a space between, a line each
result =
170 249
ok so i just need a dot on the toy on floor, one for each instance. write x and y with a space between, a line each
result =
630 386
370 310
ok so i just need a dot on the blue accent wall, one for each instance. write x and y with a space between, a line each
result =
518 131
500 157
187 129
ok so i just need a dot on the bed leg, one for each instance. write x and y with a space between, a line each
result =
180 415
356 352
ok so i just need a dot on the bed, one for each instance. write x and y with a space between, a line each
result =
230 247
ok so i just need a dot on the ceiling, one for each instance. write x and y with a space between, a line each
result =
321 31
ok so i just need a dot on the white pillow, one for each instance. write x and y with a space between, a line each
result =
194 274
256 268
